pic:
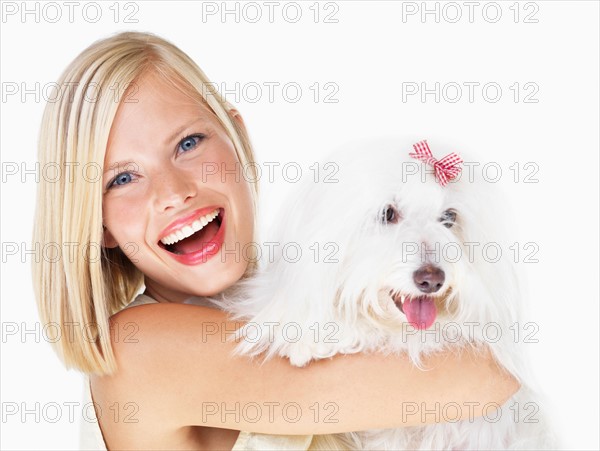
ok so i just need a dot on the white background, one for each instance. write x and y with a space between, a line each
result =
368 54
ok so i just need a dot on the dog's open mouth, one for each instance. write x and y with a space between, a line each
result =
420 311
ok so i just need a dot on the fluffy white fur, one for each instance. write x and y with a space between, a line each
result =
345 292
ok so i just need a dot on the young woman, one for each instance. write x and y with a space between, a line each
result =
164 143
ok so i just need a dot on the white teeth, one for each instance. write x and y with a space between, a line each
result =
402 299
189 229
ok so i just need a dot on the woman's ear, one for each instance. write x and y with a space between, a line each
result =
108 241
237 118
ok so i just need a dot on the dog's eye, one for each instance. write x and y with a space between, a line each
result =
448 218
390 215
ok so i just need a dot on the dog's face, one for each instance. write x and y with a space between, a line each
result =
419 229
409 240
401 240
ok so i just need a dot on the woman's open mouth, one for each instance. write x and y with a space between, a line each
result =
197 241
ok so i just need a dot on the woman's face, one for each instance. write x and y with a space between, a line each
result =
170 168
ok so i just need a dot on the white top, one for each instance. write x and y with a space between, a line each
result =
90 437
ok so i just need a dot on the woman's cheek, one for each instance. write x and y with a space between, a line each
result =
124 215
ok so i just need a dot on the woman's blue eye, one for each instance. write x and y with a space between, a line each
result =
190 142
122 179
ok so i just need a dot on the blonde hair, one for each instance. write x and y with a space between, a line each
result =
78 295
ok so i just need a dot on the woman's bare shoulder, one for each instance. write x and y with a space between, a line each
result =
139 399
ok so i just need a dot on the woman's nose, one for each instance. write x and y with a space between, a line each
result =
173 188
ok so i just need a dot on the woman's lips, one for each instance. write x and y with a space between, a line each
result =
209 249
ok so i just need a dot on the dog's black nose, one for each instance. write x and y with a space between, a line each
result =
429 278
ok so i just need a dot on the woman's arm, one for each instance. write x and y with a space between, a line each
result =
176 367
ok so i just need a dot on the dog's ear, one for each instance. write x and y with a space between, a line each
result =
489 230
492 287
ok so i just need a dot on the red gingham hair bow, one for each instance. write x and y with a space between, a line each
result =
445 169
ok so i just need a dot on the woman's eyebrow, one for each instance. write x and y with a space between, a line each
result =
180 130
120 165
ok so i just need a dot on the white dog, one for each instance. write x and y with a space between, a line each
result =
395 257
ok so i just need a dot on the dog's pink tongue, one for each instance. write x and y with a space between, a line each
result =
420 312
